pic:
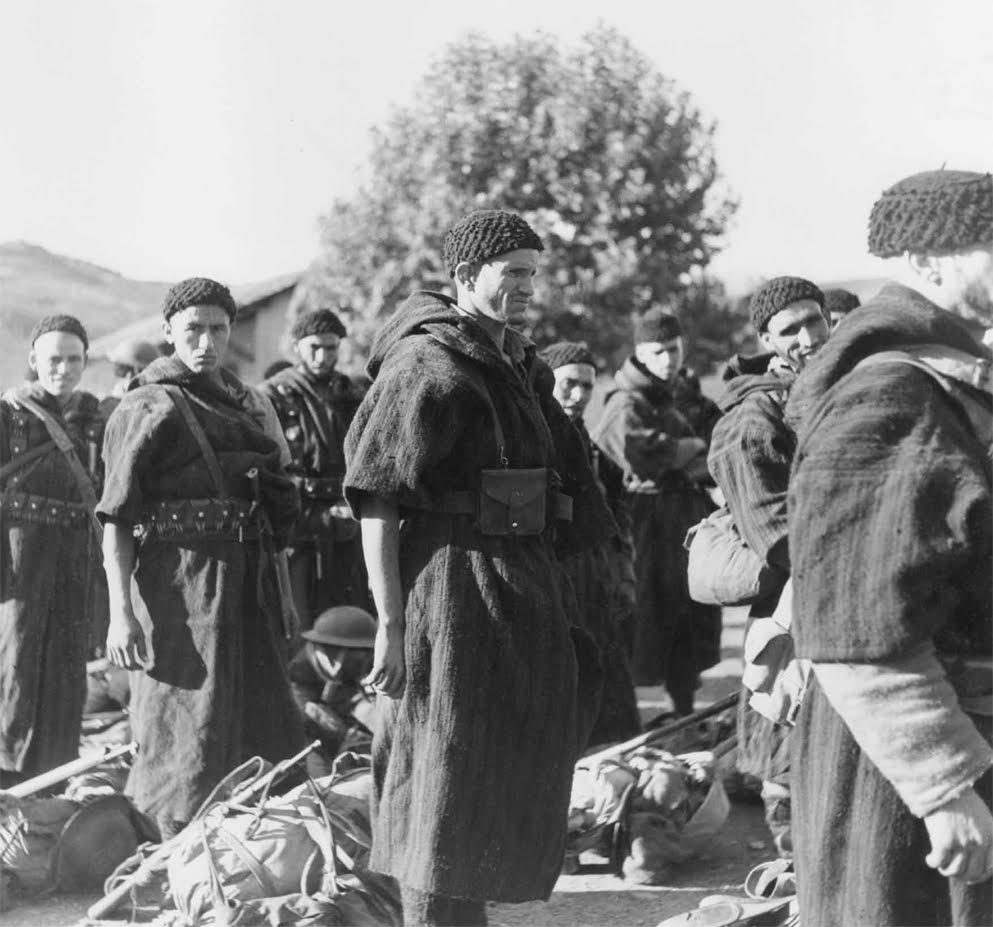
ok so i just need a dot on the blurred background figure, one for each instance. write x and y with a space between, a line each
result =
129 358
326 676
838 303
602 576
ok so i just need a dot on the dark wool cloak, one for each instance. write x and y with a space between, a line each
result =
750 456
217 692
890 541
47 568
674 637
473 792
596 575
326 562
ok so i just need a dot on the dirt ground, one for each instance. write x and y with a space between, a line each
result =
592 896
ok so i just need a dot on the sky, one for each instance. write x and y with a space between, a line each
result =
166 140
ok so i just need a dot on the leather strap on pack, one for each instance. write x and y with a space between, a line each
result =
200 436
64 443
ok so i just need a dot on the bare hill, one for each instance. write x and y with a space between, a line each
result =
35 283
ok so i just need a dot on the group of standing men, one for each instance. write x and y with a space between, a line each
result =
517 564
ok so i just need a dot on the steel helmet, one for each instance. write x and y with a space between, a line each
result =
343 626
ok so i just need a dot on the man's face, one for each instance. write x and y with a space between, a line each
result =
200 335
967 276
58 358
662 359
319 353
345 664
796 333
501 289
573 388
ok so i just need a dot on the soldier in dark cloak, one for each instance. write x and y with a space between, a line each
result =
891 537
315 404
664 462
750 456
195 505
50 473
602 576
477 658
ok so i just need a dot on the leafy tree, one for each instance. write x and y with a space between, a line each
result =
608 160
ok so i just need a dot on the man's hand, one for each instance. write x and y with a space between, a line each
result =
389 670
961 833
126 643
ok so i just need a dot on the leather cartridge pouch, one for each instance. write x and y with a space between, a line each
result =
512 501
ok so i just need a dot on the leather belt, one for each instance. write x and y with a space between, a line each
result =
464 502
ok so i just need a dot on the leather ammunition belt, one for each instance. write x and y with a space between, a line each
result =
192 519
327 489
23 508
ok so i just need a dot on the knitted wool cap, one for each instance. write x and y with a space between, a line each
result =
318 322
656 325
60 323
777 294
840 301
566 352
484 234
199 291
933 212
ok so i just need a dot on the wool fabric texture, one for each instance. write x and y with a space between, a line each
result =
198 291
932 212
60 323
841 301
567 352
656 325
484 234
318 322
777 294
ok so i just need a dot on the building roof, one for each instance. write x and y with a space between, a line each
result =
248 296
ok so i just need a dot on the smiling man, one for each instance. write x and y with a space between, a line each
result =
315 404
750 457
460 436
195 504
50 470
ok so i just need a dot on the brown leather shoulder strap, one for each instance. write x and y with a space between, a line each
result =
178 397
64 443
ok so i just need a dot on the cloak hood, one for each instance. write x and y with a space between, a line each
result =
425 312
746 375
633 377
894 318
171 370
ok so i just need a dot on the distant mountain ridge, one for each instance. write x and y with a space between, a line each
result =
35 282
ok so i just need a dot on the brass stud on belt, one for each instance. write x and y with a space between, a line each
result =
199 514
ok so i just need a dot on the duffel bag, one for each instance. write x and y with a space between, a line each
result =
723 569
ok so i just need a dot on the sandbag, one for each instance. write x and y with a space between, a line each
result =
60 844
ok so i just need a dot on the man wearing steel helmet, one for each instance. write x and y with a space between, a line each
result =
315 404
195 505
475 654
50 434
890 543
327 675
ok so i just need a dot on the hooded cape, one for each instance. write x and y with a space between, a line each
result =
473 766
890 540
217 690
47 570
